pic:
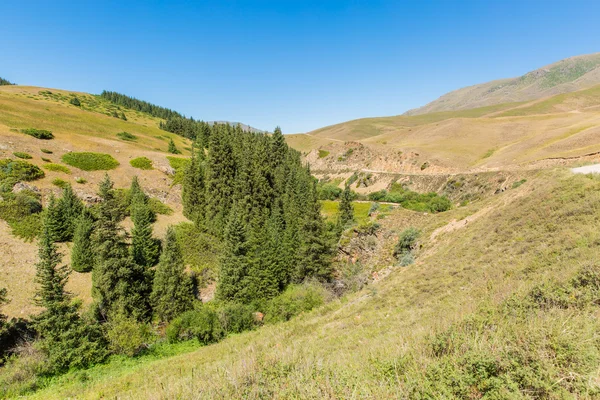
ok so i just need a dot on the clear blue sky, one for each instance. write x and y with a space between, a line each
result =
298 64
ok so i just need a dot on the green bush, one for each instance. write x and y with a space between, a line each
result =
373 208
407 242
158 207
60 183
27 228
22 155
141 163
328 191
75 101
518 183
22 212
80 180
179 165
295 300
46 151
236 318
38 133
127 336
44 159
323 153
56 168
16 170
127 136
202 324
90 161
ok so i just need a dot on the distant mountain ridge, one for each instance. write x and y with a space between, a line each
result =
568 75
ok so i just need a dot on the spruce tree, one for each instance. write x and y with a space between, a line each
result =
82 253
70 207
65 338
56 221
172 291
193 194
3 301
172 148
234 264
144 248
119 285
346 210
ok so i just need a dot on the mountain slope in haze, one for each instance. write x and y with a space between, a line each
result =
564 76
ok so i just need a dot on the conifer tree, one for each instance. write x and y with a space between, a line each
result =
119 285
70 207
82 253
172 291
233 263
144 248
193 194
172 148
65 338
3 301
346 210
56 222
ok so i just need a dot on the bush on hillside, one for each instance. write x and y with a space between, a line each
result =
127 136
38 133
294 300
88 161
75 101
127 336
57 168
141 163
60 183
22 155
13 171
46 151
236 318
202 324
407 242
328 191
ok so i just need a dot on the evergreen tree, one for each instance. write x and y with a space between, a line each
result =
346 210
70 207
193 194
64 337
82 253
119 285
172 291
56 222
172 148
3 301
234 263
145 249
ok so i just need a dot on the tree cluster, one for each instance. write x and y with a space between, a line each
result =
4 82
251 190
139 105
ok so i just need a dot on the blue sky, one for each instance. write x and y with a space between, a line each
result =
298 64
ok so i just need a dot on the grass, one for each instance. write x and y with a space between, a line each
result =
88 161
22 155
329 209
141 163
56 168
80 180
60 183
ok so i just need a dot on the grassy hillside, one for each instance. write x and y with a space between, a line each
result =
513 321
564 76
509 135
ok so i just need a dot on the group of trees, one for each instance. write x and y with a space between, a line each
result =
252 191
4 82
132 279
139 105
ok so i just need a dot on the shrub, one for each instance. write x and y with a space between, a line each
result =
75 101
378 196
90 161
374 207
46 151
328 191
425 165
202 324
44 159
19 171
323 153
407 242
127 136
141 163
22 212
518 183
22 155
57 168
38 133
60 183
158 207
127 336
80 180
236 318
295 300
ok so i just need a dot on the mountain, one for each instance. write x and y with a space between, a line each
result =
564 76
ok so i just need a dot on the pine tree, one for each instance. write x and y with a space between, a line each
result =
3 301
56 221
65 338
119 285
346 210
234 264
82 253
172 148
70 207
172 291
279 147
193 194
144 248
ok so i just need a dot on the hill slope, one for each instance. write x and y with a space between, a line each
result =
564 76
502 136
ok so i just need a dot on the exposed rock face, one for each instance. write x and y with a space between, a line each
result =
20 186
